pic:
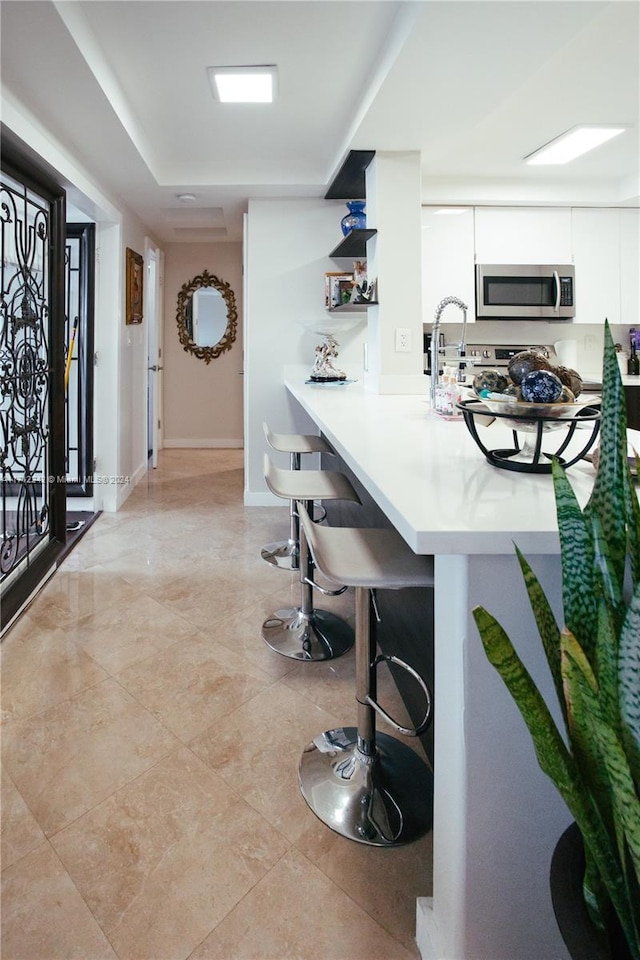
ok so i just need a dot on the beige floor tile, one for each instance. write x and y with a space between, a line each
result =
73 594
193 684
257 749
271 923
166 858
242 633
160 736
41 667
19 831
125 633
72 756
386 883
207 595
43 915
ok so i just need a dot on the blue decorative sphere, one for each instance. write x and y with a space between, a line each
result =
541 386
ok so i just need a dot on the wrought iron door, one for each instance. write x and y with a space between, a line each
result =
32 442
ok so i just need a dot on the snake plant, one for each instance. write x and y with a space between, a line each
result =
594 658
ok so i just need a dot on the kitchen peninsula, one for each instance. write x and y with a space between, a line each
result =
496 816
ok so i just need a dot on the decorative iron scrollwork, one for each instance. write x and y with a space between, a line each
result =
24 373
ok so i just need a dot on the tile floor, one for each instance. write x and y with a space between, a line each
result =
150 740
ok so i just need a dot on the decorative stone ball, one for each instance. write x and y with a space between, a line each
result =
541 386
567 395
489 380
570 378
513 390
525 362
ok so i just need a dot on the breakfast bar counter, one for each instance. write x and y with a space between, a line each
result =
496 816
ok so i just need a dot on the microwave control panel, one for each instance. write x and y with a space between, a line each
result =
566 291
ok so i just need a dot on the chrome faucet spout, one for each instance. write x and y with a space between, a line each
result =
435 347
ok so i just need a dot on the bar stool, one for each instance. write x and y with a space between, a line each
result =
367 787
285 554
304 633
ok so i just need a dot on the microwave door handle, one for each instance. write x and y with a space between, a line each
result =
557 280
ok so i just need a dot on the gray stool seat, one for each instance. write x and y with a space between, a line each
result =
368 787
365 557
306 633
285 554
296 443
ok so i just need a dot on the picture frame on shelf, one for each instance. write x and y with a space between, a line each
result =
335 286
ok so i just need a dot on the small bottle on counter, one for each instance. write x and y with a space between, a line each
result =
633 363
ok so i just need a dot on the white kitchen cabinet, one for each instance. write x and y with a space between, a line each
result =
523 235
630 267
596 252
447 263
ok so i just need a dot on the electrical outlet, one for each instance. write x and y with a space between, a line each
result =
403 340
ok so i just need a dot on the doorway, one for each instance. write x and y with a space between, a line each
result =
155 366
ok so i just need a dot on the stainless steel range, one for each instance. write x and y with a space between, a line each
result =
496 356
488 355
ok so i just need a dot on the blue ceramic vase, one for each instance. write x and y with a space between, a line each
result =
356 219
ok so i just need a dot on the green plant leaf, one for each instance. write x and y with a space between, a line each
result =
606 666
552 754
585 749
629 683
611 486
554 759
547 626
577 554
609 774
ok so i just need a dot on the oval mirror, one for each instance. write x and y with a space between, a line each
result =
207 316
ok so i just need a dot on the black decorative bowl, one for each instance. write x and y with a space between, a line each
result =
535 421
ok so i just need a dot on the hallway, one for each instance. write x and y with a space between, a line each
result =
150 741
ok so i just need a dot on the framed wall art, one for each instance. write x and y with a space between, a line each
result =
134 287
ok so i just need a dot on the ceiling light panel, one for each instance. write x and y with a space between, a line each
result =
243 84
572 144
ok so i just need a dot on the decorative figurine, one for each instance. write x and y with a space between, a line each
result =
323 370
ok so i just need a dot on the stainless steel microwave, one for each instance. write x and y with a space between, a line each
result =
525 292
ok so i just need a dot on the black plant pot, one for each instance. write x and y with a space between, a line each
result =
581 938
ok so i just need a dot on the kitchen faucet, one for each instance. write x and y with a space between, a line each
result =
436 349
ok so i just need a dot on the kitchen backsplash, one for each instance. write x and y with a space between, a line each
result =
588 337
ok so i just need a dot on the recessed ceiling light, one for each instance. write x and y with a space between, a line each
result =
186 197
243 84
573 144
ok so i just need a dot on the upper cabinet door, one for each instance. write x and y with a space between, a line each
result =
629 272
596 248
523 235
447 263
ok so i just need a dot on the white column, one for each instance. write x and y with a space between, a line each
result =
394 257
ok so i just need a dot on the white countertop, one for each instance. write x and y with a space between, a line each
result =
430 478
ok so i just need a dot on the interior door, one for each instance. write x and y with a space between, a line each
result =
153 313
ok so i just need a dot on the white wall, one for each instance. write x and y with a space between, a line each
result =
287 242
202 403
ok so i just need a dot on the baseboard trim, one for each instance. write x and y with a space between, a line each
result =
204 443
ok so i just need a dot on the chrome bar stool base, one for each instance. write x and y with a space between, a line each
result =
384 800
285 554
319 635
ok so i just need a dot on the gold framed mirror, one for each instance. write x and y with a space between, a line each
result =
207 317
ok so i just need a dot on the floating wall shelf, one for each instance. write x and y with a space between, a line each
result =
353 245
